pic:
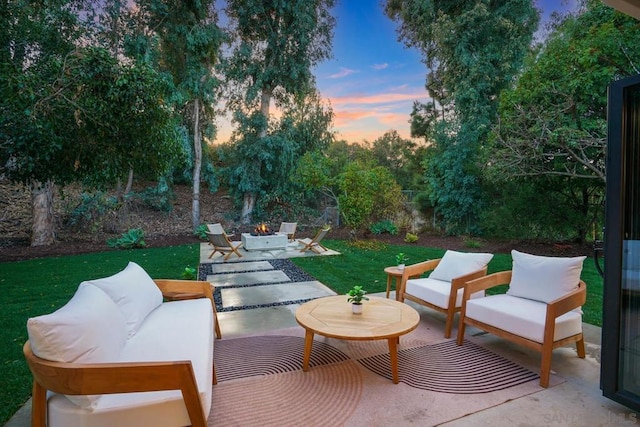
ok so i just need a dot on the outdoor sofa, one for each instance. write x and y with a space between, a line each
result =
118 355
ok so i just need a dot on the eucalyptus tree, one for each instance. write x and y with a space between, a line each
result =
303 127
473 49
190 41
274 46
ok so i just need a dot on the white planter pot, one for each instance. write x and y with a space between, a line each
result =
356 308
400 266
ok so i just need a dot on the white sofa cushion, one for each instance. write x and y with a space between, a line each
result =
181 330
520 316
134 292
435 292
541 278
88 329
455 264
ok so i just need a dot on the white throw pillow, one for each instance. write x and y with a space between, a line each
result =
88 329
134 292
455 264
541 278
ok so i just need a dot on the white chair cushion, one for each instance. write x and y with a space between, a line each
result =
520 316
134 292
435 292
181 330
455 264
541 278
88 329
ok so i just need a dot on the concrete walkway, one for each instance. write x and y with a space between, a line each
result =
267 296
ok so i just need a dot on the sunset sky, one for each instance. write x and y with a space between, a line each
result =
373 79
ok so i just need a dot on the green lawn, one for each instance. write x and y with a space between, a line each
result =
40 286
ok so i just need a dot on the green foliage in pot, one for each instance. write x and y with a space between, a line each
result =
357 295
401 258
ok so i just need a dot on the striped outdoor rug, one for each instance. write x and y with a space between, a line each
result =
446 367
261 382
443 367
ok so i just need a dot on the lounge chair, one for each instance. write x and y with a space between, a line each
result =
442 290
541 309
288 228
221 243
314 244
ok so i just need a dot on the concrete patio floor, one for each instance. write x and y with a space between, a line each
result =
577 401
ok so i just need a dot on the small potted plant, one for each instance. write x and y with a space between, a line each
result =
401 260
356 296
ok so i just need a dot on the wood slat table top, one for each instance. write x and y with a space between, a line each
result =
381 318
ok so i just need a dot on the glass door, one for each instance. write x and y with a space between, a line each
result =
620 369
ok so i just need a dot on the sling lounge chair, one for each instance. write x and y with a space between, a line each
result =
222 244
314 244
288 228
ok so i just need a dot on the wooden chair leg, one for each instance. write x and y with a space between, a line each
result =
580 348
545 366
461 326
38 406
449 323
215 377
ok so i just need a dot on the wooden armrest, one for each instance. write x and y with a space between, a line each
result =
416 270
486 282
180 290
459 282
568 302
184 289
108 378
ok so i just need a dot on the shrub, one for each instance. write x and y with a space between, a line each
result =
201 231
472 243
159 198
385 226
410 238
131 239
91 209
189 273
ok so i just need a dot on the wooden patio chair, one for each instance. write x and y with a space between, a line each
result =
288 228
540 311
442 290
221 243
314 244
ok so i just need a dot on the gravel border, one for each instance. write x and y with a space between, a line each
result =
285 265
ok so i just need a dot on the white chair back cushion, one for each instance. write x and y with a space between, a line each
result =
134 292
455 264
543 279
88 329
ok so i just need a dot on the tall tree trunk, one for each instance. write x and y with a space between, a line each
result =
127 189
197 165
250 198
42 230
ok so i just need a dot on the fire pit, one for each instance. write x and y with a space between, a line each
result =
262 230
263 239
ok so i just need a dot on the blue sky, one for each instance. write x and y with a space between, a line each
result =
373 79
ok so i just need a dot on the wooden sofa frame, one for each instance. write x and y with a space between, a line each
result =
417 270
130 377
555 309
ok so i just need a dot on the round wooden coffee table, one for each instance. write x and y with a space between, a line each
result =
381 319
